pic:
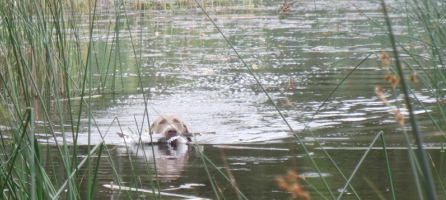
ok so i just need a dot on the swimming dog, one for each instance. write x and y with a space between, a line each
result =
172 128
167 129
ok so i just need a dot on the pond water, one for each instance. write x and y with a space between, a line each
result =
187 67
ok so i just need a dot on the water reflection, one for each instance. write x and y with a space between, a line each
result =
187 68
169 160
254 167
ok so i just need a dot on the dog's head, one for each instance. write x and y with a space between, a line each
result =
170 125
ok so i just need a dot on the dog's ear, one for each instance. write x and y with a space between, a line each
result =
158 121
153 126
163 121
189 135
186 130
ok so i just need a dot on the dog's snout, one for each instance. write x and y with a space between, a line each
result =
172 132
170 126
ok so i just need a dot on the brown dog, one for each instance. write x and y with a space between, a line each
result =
172 127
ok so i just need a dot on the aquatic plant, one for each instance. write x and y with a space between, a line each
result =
284 9
420 160
421 169
290 183
46 68
48 65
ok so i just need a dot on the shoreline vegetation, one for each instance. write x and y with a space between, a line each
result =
52 65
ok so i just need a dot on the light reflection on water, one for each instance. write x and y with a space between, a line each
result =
187 68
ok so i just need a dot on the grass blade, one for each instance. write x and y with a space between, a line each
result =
427 174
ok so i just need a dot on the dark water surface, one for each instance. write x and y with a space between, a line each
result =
253 168
188 68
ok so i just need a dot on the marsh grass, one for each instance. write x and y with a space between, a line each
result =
175 5
44 60
429 19
432 38
46 65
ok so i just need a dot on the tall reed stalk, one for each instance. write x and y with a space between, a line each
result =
46 61
423 161
44 64
431 19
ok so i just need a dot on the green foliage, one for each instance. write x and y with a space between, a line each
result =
45 59
432 56
42 63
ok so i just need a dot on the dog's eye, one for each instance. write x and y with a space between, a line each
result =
163 121
176 121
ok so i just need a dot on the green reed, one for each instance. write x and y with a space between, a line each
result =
423 161
297 137
431 19
47 65
44 60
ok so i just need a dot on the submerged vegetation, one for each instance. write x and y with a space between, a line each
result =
56 56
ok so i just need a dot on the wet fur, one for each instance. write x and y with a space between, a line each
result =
170 125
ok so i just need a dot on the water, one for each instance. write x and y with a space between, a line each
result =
253 167
189 69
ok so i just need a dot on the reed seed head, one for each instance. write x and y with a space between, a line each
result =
394 80
413 78
384 60
290 183
399 117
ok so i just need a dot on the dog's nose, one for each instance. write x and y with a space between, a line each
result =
172 132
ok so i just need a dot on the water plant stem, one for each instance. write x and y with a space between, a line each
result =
32 161
61 189
389 172
427 174
251 72
358 165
